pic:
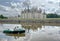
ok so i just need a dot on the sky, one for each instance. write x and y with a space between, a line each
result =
14 7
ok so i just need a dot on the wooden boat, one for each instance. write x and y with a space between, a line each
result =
15 31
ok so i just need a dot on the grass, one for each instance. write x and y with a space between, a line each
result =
52 18
32 19
42 19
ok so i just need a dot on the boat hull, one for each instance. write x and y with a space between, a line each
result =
14 32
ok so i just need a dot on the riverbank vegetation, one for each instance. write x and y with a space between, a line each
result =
52 16
3 17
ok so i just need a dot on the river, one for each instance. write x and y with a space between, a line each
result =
38 32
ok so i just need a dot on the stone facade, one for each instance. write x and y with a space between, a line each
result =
33 14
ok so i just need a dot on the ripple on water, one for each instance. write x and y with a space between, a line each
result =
45 33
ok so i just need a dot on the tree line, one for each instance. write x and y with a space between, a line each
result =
53 16
3 17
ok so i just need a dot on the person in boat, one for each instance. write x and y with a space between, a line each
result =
16 28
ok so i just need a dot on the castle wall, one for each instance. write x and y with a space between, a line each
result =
32 16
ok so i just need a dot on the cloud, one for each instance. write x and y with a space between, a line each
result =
10 7
8 11
7 2
13 7
48 5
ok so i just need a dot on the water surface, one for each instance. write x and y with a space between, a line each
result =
41 32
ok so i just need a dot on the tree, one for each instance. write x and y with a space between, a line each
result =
52 16
3 17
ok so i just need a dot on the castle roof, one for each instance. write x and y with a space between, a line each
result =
32 10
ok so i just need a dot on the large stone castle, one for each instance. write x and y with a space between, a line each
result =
33 13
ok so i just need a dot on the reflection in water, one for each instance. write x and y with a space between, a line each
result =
16 35
34 32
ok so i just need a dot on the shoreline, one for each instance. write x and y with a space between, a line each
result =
29 21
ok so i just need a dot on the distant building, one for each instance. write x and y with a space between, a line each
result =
33 13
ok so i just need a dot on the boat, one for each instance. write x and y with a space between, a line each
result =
16 30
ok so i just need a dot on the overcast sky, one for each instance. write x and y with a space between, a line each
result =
13 7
